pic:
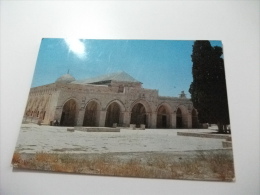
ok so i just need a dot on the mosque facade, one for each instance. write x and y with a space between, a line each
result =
107 100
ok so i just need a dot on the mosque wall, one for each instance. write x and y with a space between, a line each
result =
103 105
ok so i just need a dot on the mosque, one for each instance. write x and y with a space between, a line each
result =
104 101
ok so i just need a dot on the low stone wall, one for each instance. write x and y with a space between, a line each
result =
226 144
132 126
204 135
97 129
71 129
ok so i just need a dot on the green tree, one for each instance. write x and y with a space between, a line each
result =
208 89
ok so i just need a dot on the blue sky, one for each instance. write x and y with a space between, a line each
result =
159 64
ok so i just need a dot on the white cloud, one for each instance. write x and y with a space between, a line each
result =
77 47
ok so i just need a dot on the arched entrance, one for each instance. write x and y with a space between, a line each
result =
113 114
138 115
195 123
68 115
179 119
163 117
90 117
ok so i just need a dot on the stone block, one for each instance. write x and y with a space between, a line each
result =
97 129
70 129
132 126
142 127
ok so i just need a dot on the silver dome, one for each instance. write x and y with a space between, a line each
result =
67 78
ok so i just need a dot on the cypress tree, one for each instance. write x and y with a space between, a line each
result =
208 89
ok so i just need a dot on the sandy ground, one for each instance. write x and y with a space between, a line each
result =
157 150
34 138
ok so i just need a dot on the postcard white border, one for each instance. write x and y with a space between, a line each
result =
236 23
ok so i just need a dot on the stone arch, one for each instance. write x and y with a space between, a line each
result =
144 103
113 114
69 113
140 111
194 115
121 105
163 116
92 112
181 117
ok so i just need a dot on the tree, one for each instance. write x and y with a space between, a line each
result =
208 89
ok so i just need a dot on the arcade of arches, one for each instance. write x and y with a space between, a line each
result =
106 100
94 116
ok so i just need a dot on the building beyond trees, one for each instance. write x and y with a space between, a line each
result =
105 100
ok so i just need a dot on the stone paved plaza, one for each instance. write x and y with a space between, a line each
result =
34 138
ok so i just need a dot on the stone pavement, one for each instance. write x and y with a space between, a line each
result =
34 138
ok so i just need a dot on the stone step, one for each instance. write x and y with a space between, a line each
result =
204 135
97 129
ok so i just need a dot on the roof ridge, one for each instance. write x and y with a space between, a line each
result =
116 76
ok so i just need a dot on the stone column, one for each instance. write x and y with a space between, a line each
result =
97 118
80 117
173 120
126 118
189 120
153 120
102 118
121 119
57 114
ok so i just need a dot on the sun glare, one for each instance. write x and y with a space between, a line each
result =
76 46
